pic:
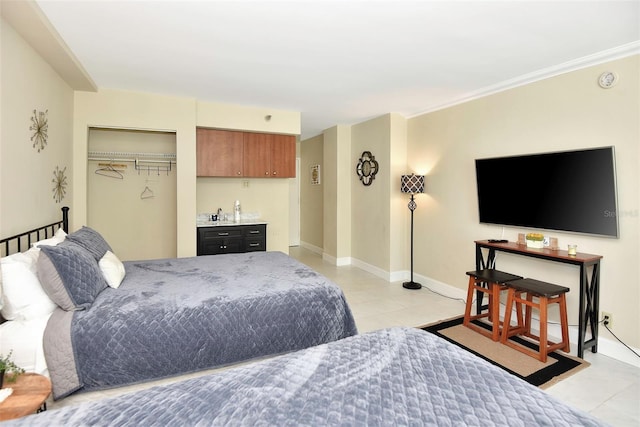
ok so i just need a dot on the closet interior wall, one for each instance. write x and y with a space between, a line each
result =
135 210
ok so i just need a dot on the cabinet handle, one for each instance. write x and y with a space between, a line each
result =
223 247
253 245
223 234
239 173
254 231
266 173
274 172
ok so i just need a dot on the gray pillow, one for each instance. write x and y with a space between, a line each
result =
70 276
91 240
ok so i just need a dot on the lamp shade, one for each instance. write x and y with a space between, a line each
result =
412 184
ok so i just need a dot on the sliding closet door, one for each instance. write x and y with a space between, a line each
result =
133 205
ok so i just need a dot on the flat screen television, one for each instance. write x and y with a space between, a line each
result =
572 191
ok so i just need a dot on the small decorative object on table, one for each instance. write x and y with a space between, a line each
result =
9 369
521 239
573 250
535 240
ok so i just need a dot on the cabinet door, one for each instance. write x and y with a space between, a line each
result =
269 155
283 156
218 152
257 155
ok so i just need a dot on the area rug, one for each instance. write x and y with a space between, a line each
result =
557 367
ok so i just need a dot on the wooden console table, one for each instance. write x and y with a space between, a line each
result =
589 283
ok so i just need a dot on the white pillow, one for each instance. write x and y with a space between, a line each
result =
22 294
112 269
57 238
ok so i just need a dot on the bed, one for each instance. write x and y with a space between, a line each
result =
395 376
119 323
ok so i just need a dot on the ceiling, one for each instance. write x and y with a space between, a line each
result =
339 62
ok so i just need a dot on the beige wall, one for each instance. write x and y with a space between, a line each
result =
264 197
140 111
370 215
28 83
135 227
337 194
569 111
226 116
311 196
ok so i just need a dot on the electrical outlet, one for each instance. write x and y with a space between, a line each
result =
608 318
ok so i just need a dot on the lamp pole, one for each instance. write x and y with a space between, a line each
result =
411 284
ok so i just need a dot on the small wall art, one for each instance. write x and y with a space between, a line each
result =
59 184
40 128
367 168
315 175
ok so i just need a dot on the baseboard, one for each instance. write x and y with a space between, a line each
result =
312 248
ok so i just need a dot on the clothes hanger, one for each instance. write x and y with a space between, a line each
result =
110 171
147 193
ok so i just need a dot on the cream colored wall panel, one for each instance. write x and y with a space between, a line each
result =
135 227
28 83
259 196
141 111
569 111
369 204
226 116
398 223
311 196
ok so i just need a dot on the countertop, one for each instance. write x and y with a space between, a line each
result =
230 223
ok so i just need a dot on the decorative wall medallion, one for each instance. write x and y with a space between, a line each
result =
59 184
315 175
40 128
367 168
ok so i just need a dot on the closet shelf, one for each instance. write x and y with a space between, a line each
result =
142 161
131 157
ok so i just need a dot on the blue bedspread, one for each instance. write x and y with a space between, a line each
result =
175 316
391 377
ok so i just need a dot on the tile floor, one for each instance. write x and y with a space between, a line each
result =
608 389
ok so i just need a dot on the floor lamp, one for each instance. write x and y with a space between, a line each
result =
412 184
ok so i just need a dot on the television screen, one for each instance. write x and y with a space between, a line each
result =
571 191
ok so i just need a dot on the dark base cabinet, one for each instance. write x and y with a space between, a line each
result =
232 239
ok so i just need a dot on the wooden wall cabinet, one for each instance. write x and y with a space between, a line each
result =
269 155
219 152
225 153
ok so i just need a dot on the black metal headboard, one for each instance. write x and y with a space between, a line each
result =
17 243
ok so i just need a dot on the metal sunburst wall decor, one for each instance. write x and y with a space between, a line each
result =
40 128
59 184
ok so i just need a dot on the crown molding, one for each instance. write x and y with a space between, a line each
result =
619 52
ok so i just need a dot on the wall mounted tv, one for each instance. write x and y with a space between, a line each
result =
572 191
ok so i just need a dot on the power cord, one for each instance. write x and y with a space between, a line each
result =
605 323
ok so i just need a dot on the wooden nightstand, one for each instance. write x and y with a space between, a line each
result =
30 391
